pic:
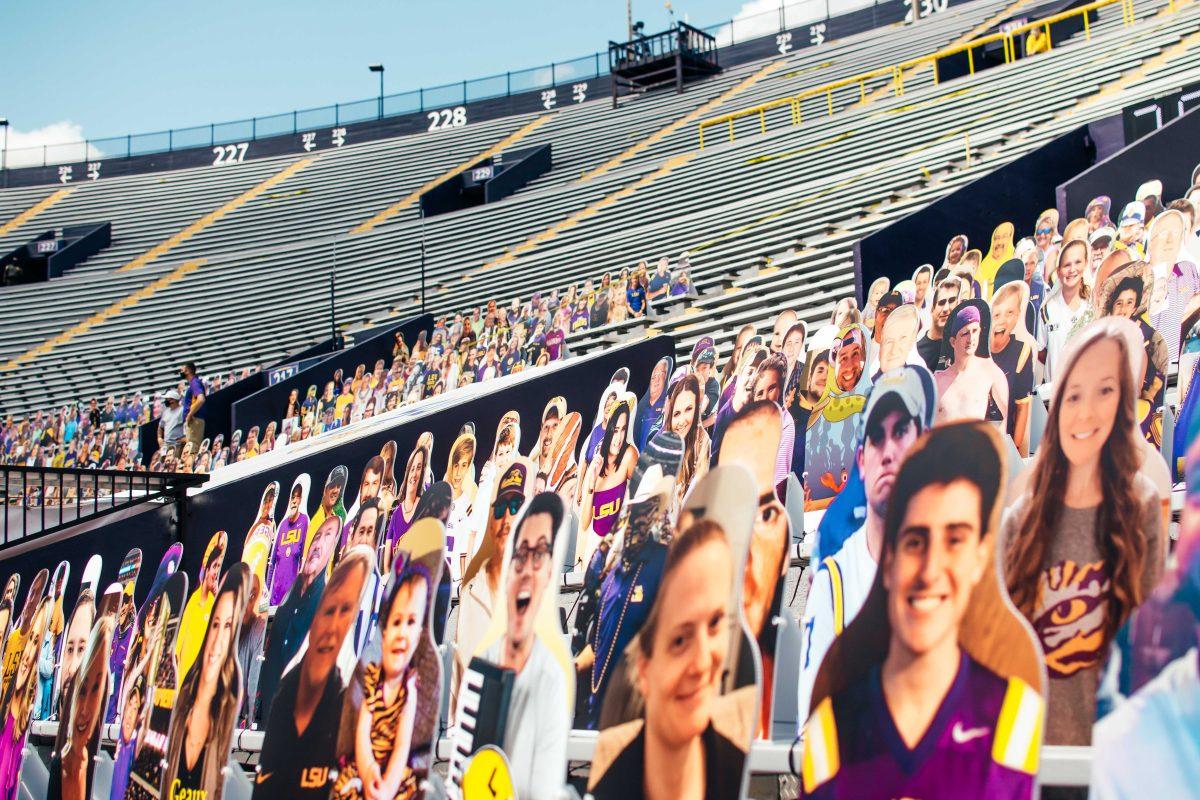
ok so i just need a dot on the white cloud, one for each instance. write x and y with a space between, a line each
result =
56 143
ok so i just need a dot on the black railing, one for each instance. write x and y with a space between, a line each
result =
42 500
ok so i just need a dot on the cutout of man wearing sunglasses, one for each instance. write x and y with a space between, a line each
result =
481 588
535 737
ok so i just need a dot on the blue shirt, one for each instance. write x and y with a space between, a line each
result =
636 298
625 601
195 389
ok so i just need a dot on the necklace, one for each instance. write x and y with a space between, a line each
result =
596 683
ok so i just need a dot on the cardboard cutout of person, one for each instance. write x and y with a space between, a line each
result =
74 641
258 546
48 658
829 440
149 699
144 629
291 536
18 701
1084 541
460 476
1001 250
938 630
625 592
525 641
389 715
752 441
332 496
201 730
1014 351
1143 747
294 617
72 762
299 754
482 584
15 643
683 663
194 620
972 387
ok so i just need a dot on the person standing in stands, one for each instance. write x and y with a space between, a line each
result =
931 347
193 405
170 424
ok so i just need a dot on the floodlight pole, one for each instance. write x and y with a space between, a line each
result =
4 151
379 68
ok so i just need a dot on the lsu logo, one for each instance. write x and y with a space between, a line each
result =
1070 618
314 777
610 508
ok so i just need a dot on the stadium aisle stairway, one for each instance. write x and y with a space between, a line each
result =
35 209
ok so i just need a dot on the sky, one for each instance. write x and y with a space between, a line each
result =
74 69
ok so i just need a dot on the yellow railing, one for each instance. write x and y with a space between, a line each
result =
1011 41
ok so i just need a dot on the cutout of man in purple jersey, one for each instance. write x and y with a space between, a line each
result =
935 690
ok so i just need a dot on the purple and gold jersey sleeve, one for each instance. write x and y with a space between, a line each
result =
983 743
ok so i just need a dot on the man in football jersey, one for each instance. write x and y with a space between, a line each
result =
907 711
898 410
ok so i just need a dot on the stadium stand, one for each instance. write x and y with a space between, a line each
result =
744 201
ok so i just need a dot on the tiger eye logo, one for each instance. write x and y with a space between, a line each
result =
1070 618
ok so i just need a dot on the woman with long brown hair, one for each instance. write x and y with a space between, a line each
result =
201 729
1083 546
682 415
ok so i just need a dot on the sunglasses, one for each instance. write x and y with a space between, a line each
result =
1043 231
524 554
501 507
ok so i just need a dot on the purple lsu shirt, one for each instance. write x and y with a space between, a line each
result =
289 549
983 743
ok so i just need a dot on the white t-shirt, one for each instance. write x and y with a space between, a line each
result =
839 590
1058 320
539 722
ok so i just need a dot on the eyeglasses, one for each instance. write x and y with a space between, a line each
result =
523 554
500 507
1043 231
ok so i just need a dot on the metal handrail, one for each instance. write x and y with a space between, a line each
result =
896 71
76 495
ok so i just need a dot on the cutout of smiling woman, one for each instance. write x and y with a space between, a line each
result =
71 765
201 730
696 723
299 753
1084 543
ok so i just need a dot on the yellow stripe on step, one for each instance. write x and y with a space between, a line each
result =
683 121
33 211
211 217
506 142
124 304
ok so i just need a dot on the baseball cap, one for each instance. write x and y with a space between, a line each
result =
706 356
1102 233
1152 188
892 298
1133 212
170 394
512 482
912 384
